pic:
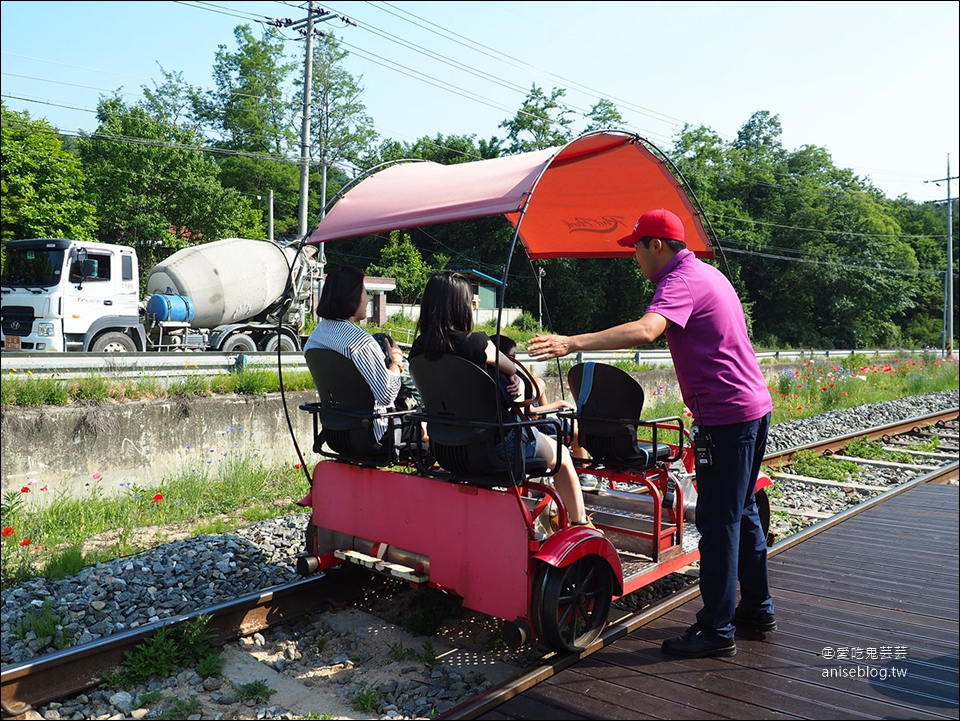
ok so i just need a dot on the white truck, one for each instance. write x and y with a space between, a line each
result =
235 294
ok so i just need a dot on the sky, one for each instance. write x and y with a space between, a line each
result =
874 84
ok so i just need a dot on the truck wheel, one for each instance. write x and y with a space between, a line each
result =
285 342
113 343
239 342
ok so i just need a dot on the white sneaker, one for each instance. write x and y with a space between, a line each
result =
590 483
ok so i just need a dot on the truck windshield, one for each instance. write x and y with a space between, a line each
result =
32 266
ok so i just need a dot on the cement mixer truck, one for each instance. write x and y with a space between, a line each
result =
235 294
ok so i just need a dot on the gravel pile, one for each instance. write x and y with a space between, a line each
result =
179 577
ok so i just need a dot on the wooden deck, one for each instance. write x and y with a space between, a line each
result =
884 582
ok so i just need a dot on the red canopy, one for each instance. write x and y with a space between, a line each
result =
574 201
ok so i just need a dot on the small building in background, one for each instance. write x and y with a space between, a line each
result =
377 289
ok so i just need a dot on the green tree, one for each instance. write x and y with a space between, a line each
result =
248 106
542 122
399 259
42 184
254 115
446 150
814 251
153 186
603 115
340 128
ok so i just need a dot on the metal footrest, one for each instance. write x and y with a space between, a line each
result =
385 567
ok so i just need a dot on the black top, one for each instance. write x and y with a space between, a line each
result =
472 347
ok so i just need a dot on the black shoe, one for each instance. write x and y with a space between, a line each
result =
751 620
698 642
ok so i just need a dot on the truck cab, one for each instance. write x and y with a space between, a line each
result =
69 295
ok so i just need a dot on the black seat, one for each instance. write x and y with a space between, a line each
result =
462 409
346 413
609 403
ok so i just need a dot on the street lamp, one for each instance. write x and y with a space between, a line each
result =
541 272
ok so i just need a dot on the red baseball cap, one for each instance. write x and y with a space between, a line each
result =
659 223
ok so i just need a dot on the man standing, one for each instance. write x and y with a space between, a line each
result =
721 383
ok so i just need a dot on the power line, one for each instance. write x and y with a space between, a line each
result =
840 263
440 84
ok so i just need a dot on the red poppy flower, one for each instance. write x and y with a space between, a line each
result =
158 497
25 489
25 542
7 532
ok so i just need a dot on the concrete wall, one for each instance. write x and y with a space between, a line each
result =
64 447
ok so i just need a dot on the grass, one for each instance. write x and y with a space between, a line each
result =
38 391
166 652
52 539
819 386
366 699
257 691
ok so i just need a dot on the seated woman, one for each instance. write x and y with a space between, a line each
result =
343 303
446 326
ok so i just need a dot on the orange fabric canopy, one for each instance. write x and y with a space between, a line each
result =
574 201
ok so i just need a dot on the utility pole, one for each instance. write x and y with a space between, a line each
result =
948 281
305 26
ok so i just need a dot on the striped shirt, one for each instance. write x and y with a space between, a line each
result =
350 340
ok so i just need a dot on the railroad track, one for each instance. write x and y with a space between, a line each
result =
28 685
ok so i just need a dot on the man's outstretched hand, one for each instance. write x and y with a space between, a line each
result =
545 347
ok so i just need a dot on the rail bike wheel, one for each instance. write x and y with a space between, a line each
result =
763 510
571 604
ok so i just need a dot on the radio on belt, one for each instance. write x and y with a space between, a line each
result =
702 448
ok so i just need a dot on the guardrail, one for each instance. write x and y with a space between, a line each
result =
173 365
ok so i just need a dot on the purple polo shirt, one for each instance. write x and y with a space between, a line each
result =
716 366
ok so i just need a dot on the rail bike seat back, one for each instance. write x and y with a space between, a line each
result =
346 413
461 406
609 403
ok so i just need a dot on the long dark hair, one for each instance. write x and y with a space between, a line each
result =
447 307
342 289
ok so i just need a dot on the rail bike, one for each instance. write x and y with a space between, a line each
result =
457 513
